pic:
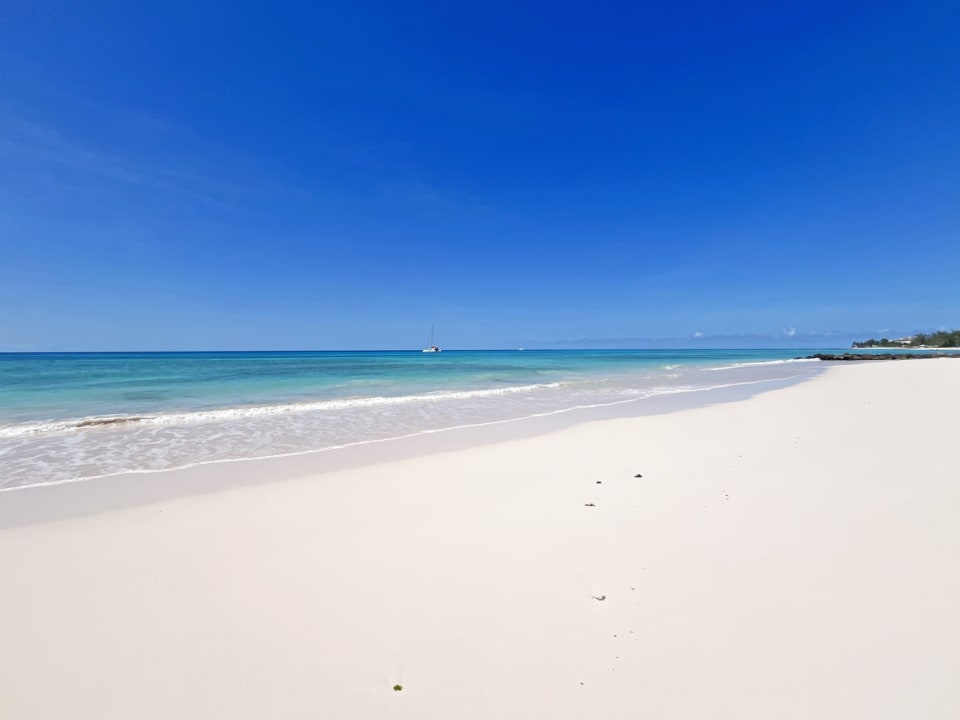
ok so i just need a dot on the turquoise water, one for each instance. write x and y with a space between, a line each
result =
66 416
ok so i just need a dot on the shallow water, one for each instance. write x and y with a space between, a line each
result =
79 415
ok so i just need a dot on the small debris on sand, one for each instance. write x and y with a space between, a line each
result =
589 505
599 598
638 475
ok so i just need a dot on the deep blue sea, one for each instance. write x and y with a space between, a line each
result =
69 416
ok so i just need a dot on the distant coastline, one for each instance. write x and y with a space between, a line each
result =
920 341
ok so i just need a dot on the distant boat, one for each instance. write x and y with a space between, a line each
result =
432 347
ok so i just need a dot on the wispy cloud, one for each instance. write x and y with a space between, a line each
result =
420 195
49 157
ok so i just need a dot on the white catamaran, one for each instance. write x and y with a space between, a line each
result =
432 347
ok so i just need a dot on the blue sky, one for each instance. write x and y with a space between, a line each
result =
341 175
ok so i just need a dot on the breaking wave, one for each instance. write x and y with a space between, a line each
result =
256 411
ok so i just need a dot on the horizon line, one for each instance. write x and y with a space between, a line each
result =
410 350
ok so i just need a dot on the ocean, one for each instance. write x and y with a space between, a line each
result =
74 416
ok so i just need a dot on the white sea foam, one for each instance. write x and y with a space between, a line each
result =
758 363
200 416
344 445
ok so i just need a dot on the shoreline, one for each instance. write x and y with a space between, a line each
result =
132 488
123 419
785 555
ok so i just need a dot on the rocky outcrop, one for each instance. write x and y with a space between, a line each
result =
878 356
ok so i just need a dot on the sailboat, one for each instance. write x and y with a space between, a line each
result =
432 347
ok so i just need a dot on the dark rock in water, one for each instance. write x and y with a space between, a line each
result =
101 422
878 356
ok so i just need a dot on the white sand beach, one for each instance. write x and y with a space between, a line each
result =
792 555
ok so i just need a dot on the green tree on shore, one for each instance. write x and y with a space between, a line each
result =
940 338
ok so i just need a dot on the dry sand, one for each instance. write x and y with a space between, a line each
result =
794 555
